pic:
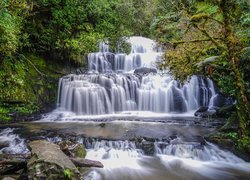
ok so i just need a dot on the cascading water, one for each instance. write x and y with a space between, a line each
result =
112 87
11 143
172 160
118 85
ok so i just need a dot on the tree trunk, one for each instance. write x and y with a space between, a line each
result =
228 8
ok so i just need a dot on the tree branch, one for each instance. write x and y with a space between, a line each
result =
193 41
39 72
209 37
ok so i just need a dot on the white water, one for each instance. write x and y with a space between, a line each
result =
111 89
13 143
122 160
172 159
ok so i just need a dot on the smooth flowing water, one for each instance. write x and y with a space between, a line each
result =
118 84
124 97
182 160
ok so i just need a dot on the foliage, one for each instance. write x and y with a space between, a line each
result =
67 29
60 31
22 89
244 144
4 114
67 173
232 135
12 14
195 32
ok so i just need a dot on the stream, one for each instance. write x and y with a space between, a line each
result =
138 121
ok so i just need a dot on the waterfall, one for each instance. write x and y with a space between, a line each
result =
112 87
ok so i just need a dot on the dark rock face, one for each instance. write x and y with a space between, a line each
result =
145 70
225 111
219 100
202 112
179 105
148 147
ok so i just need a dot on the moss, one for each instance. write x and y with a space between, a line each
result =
23 90
223 140
4 114
231 124
232 141
244 144
80 151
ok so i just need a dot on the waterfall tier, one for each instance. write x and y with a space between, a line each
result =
112 93
111 87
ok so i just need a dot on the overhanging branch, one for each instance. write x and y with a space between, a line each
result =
194 41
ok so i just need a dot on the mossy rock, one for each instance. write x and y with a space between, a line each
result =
73 149
49 162
225 111
232 124
79 151
222 140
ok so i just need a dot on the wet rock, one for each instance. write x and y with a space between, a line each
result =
225 111
145 70
221 140
179 102
203 111
80 162
102 125
232 124
148 147
72 149
4 142
49 162
8 178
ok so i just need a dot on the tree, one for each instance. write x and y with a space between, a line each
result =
205 37
67 29
12 14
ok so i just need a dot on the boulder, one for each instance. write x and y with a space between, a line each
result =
49 162
203 111
4 142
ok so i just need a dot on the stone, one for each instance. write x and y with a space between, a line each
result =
225 111
73 149
221 140
8 178
80 162
4 142
145 70
78 151
203 111
49 162
148 147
